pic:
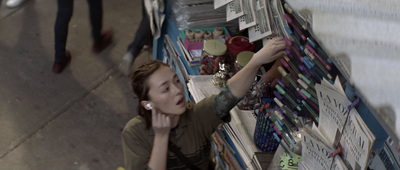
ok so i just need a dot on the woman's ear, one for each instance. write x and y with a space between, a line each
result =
146 104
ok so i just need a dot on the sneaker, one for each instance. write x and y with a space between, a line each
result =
14 3
126 63
106 39
59 67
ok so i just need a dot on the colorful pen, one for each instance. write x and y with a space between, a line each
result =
283 146
283 134
287 77
311 111
311 67
297 29
294 37
313 105
299 19
327 66
309 40
294 59
318 63
306 80
287 63
308 95
286 110
287 131
291 100
283 100
308 89
296 52
287 66
286 119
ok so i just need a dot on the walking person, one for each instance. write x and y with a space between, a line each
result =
64 14
149 28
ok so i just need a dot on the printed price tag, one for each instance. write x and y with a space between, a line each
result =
288 163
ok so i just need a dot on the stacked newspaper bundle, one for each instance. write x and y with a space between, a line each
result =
340 128
240 130
262 18
198 14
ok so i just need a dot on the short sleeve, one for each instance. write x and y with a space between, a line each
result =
135 154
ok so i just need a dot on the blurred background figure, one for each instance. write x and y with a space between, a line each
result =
64 14
149 28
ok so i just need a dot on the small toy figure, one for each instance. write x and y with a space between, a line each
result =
221 77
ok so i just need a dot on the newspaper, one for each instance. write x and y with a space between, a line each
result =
315 152
338 164
220 3
263 27
342 127
234 10
278 23
333 113
201 86
357 141
248 19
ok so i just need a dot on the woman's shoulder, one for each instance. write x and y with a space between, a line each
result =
137 123
206 102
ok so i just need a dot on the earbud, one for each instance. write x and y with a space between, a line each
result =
148 105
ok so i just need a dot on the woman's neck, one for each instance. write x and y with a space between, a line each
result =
174 120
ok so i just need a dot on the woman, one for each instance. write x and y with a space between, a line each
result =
164 118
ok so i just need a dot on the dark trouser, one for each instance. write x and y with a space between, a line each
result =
143 34
64 14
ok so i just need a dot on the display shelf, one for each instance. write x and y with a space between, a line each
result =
382 116
385 116
170 28
385 125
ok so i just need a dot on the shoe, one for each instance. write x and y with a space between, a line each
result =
148 44
59 67
14 3
126 63
106 39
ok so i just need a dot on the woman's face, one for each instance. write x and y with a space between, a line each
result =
166 92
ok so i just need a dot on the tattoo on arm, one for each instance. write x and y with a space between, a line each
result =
224 102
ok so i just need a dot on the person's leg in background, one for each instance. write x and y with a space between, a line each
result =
64 14
101 40
142 37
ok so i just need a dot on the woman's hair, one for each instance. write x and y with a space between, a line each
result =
140 86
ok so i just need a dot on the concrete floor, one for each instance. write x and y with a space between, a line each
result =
71 120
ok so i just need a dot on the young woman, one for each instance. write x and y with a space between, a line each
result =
165 118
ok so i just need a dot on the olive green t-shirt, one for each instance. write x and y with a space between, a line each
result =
192 135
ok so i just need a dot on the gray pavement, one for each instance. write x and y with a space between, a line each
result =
71 120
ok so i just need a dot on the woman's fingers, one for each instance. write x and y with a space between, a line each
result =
159 120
